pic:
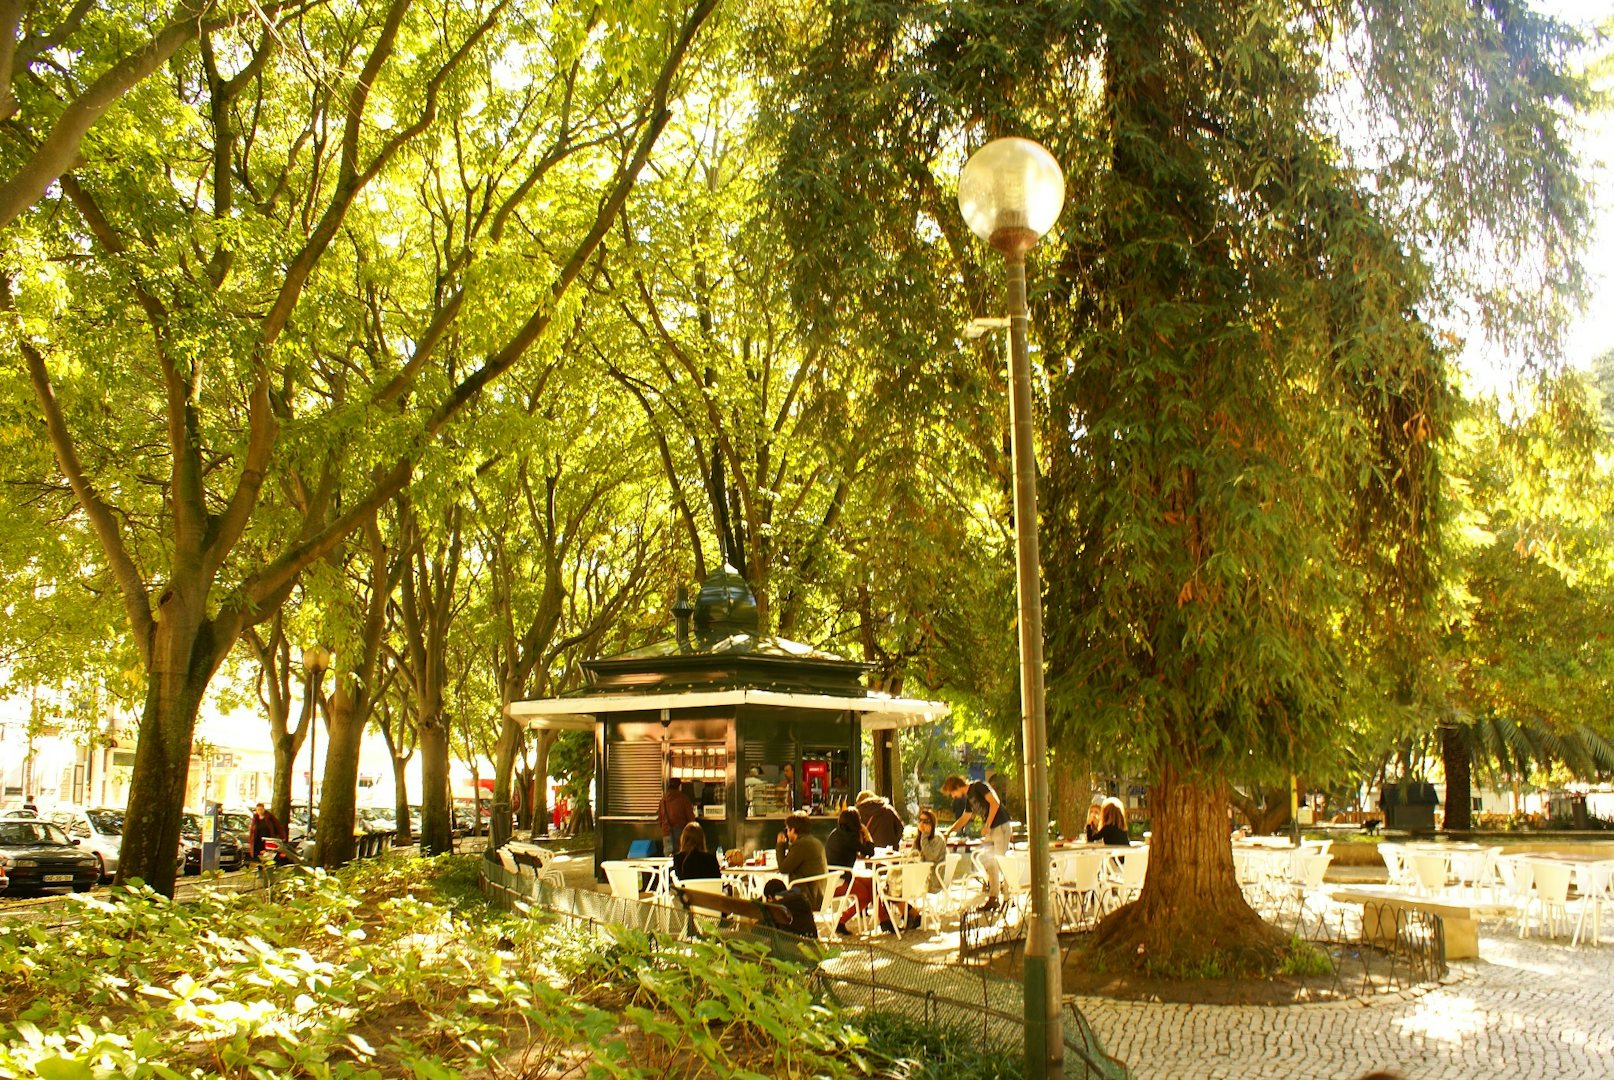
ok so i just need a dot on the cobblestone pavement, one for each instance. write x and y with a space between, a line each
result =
1532 1008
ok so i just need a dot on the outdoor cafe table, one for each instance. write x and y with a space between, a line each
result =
750 879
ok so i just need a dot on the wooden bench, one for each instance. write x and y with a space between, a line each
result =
1380 911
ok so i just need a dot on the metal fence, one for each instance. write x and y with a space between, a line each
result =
859 975
1362 964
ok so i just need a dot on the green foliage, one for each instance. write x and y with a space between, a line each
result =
1304 959
367 973
909 1049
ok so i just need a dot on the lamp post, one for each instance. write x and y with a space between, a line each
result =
1011 192
316 660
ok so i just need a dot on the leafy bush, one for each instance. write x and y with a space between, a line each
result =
372 972
911 1050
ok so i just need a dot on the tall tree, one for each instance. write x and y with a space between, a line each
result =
201 294
1246 397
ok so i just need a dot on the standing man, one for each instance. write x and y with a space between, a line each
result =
676 811
265 826
982 802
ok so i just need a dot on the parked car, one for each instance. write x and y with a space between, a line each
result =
376 819
37 855
231 848
98 831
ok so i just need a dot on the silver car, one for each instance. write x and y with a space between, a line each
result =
100 832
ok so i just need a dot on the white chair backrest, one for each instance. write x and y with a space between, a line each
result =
508 861
623 879
1134 867
1016 869
1315 867
1430 869
1552 881
704 885
827 884
1518 874
1083 870
911 879
949 869
1395 861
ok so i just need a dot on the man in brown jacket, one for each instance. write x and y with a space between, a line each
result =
676 811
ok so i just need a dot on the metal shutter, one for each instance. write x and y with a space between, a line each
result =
633 778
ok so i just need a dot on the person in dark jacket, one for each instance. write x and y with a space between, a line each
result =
675 810
693 862
264 826
800 854
848 842
881 819
1113 830
796 902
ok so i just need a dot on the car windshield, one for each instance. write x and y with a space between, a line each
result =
191 825
106 822
237 822
18 833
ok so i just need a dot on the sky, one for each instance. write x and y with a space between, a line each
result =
1593 331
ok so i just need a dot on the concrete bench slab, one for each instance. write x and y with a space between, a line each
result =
1380 910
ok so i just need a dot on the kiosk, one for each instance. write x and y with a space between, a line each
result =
755 726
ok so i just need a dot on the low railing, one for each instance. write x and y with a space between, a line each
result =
858 974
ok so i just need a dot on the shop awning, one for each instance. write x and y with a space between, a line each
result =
880 713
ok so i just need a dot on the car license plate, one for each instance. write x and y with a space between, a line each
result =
58 877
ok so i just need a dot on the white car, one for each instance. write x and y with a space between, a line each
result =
100 832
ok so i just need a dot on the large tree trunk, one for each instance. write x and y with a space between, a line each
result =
339 791
400 799
1191 916
1458 763
504 763
435 835
1266 813
185 651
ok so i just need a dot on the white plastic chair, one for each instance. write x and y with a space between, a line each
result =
912 881
947 901
623 880
1016 877
1596 889
1429 871
1518 876
1123 886
1396 865
830 906
1552 893
1081 877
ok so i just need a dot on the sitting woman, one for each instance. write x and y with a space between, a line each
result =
1095 822
926 847
693 862
1113 824
846 843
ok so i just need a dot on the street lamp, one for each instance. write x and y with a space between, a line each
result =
1011 192
316 659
